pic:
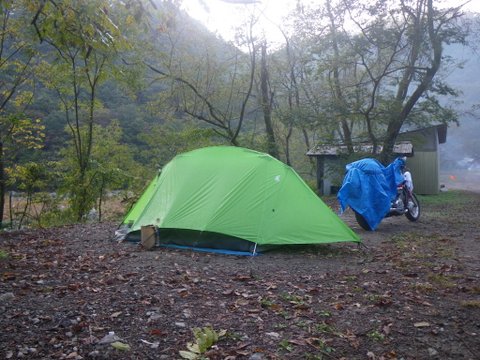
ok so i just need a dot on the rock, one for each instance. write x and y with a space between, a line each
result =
94 354
257 356
6 297
154 317
432 352
273 334
109 338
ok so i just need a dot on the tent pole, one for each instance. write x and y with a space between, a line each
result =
255 249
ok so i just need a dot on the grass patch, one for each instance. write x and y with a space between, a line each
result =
323 328
266 303
376 335
423 287
471 304
475 289
285 345
443 281
3 255
452 198
295 299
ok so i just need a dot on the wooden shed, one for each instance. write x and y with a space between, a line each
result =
425 164
420 146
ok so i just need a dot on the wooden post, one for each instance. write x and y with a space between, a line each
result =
320 174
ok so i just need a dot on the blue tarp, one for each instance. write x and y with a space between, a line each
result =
369 188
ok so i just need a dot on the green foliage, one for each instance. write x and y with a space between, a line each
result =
120 346
266 303
360 82
3 254
31 176
205 338
376 335
171 138
324 328
37 206
92 58
87 39
111 167
18 133
286 345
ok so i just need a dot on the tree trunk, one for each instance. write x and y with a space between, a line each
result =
337 89
2 185
398 120
267 105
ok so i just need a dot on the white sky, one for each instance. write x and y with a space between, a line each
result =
223 16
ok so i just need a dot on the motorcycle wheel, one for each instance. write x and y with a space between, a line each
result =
413 212
362 222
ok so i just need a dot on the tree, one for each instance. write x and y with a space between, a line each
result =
430 29
86 39
380 65
16 73
112 166
267 102
207 80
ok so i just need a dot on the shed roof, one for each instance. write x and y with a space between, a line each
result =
440 128
401 148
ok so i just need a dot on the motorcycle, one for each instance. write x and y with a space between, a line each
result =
374 192
406 203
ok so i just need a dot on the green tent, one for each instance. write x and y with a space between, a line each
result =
233 199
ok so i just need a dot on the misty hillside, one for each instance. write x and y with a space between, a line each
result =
461 149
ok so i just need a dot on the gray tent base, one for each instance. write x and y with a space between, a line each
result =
202 241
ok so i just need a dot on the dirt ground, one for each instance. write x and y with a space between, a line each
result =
411 292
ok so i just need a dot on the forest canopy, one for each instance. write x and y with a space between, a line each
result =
97 95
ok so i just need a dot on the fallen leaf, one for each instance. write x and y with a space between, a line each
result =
153 345
157 332
188 355
120 346
338 306
352 339
8 276
387 329
421 324
300 342
243 277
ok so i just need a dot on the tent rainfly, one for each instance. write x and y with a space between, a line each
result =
233 200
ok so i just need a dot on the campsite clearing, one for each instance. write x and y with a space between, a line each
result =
413 293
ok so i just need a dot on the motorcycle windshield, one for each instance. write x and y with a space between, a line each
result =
369 188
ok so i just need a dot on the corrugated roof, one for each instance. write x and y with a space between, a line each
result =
401 147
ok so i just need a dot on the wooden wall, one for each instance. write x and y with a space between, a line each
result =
424 166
